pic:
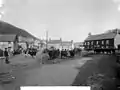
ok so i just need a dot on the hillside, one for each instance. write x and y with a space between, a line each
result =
6 28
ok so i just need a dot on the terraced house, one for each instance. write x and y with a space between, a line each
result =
55 43
109 41
67 44
59 44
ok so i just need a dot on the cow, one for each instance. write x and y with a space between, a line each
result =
32 52
63 53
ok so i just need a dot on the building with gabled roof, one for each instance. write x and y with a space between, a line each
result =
8 41
13 41
54 43
78 45
8 38
109 40
67 44
109 35
59 44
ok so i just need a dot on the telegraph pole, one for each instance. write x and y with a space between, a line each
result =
46 39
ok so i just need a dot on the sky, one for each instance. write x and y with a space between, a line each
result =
66 19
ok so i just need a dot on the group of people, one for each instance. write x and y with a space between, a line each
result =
52 53
67 53
5 53
30 51
64 53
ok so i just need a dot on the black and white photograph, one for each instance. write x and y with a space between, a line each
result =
71 43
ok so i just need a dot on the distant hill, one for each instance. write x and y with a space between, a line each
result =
6 28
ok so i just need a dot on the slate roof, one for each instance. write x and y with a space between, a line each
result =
7 37
66 42
54 42
7 28
78 43
60 42
109 35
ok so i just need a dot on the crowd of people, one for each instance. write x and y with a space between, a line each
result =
64 53
30 51
52 52
5 54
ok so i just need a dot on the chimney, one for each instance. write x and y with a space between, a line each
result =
49 39
71 41
117 31
89 34
60 39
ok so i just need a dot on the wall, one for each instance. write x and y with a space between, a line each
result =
57 46
110 45
4 45
117 40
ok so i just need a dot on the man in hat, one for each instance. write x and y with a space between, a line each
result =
6 54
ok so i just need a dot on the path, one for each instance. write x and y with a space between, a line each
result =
51 74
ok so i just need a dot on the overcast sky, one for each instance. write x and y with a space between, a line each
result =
69 19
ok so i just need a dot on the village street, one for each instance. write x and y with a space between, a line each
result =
29 72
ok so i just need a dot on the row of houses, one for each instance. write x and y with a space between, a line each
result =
13 41
109 40
60 44
12 37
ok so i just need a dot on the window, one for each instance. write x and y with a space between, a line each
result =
92 43
97 42
87 43
9 42
107 47
107 41
98 45
84 43
102 42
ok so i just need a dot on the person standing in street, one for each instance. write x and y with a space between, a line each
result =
6 54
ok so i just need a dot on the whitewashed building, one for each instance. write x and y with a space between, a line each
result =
9 41
54 43
25 42
59 44
78 45
67 44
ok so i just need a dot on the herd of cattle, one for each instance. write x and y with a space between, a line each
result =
54 53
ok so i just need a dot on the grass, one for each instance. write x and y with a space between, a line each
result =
102 64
